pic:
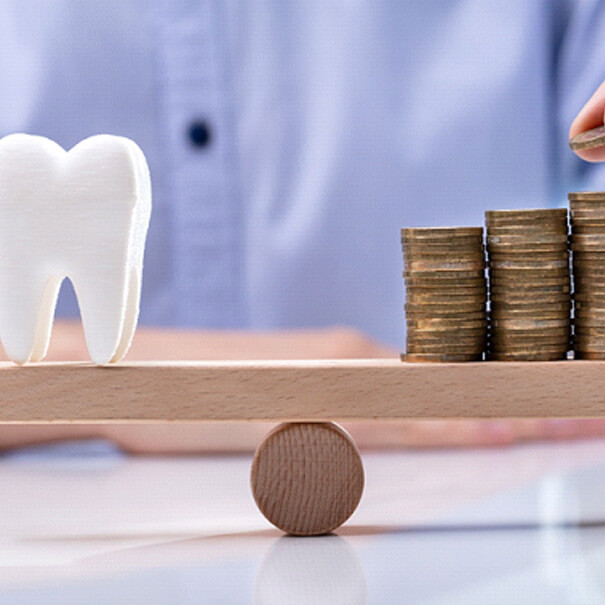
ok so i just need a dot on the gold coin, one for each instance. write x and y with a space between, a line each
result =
441 232
581 205
589 139
584 343
589 355
550 334
587 196
557 286
512 271
537 305
529 356
523 264
454 288
531 214
589 332
584 303
453 305
528 234
529 344
589 273
590 322
443 349
445 265
595 226
418 296
547 301
529 252
587 215
529 316
427 358
516 253
589 228
439 323
548 305
509 298
433 280
590 280
562 338
457 320
452 333
454 255
537 335
529 230
459 301
589 299
527 278
537 240
461 242
445 275
590 258
589 221
427 337
507 335
447 260
526 324
433 346
590 240
588 315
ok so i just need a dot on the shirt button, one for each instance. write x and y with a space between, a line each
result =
199 134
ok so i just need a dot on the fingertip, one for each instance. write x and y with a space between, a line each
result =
597 154
591 115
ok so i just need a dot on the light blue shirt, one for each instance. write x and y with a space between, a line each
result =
331 123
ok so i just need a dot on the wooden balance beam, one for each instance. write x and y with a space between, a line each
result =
310 391
307 476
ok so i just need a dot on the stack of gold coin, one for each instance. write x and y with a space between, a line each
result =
445 294
587 210
529 284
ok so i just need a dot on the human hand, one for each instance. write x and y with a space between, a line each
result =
415 434
591 116
67 344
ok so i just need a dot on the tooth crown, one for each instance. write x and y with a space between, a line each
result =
81 214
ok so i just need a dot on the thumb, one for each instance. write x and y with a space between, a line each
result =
591 116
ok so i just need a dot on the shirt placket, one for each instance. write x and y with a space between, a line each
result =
196 100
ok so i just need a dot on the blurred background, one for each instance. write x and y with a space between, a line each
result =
290 141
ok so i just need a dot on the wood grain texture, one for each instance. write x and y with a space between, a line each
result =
307 478
299 390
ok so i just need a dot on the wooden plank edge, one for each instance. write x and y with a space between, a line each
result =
306 390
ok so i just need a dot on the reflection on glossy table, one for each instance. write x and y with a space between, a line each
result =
518 525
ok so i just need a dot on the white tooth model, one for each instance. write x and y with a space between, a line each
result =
81 214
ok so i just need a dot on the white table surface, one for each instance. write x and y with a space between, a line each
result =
518 525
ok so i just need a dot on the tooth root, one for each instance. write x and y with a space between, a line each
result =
102 303
131 315
27 308
46 316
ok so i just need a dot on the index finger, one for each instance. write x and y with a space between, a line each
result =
590 116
